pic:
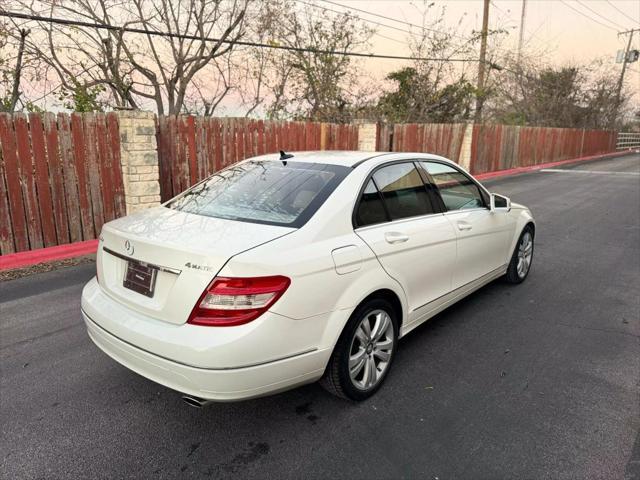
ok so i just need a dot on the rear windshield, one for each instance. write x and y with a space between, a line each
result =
269 192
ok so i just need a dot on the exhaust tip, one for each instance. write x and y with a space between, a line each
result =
195 402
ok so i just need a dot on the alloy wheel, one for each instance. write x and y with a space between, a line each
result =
371 349
525 253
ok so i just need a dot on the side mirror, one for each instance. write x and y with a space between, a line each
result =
500 203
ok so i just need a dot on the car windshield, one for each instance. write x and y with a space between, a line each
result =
270 192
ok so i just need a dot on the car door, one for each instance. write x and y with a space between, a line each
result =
412 239
483 236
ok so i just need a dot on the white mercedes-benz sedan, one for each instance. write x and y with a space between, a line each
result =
286 269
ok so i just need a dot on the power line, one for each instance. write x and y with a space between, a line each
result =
616 24
387 18
495 5
144 31
632 19
587 16
375 32
373 22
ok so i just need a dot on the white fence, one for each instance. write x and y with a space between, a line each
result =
628 141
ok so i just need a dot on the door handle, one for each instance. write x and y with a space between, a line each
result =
464 226
395 237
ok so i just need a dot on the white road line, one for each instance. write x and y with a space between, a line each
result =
595 172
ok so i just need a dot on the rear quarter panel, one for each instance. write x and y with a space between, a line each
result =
316 287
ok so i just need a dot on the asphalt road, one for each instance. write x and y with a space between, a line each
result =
540 380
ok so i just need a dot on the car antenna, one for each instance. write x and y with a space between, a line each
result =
284 157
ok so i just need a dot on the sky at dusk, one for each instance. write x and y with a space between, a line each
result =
552 26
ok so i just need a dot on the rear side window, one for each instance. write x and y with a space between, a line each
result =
370 209
404 193
458 191
268 192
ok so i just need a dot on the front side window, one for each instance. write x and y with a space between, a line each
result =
458 191
403 190
269 192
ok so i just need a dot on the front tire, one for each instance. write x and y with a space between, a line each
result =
364 352
522 257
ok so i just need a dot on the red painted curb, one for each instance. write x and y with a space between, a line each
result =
48 254
531 168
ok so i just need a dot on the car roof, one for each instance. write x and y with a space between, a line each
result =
346 158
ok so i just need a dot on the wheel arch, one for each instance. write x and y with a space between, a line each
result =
391 297
531 224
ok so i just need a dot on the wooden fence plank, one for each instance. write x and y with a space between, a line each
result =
71 188
200 146
92 164
249 150
190 138
113 142
179 161
27 176
240 140
43 189
105 168
6 231
209 160
80 164
14 190
260 138
219 146
163 141
56 175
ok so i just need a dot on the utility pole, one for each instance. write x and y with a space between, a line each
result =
521 38
482 62
624 69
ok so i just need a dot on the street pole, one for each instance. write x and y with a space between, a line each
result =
621 79
482 62
521 38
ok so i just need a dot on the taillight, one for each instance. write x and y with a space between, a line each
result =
234 301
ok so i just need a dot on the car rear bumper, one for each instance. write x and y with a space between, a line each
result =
267 355
227 384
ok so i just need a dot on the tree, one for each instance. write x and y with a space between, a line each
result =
569 96
136 69
11 71
417 100
315 81
432 89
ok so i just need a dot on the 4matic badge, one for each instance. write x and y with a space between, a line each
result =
199 267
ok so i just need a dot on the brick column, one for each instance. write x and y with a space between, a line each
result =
139 160
367 133
465 152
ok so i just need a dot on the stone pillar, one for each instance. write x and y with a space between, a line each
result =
465 151
367 133
139 160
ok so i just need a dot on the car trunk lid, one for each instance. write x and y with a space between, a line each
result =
159 261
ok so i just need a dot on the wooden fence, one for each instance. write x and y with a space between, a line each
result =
60 178
191 148
500 147
438 138
61 175
495 147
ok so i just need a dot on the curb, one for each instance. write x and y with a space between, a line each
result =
533 168
48 254
61 252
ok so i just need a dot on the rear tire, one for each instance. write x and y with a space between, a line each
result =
522 257
365 350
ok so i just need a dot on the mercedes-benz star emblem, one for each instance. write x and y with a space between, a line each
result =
128 247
